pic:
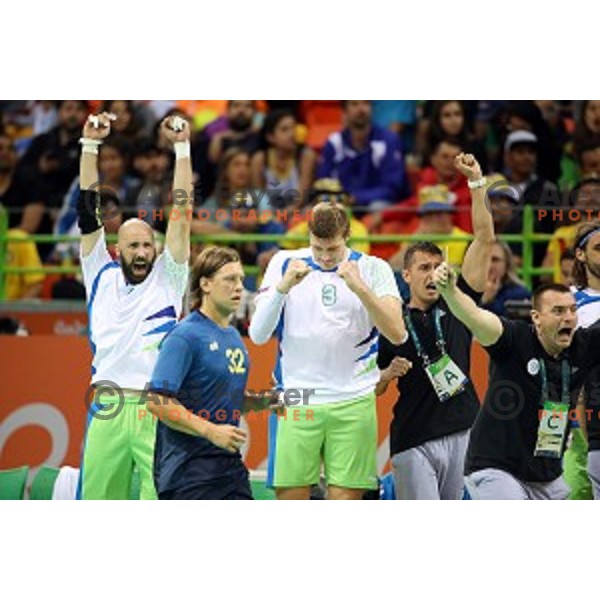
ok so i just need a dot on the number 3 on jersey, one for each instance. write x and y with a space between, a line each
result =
236 360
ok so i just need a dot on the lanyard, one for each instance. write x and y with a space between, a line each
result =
439 336
565 378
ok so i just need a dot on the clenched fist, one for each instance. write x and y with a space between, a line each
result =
175 129
297 270
350 273
468 166
97 127
444 277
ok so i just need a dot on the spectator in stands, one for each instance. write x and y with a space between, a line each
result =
504 202
366 159
398 116
127 126
23 286
282 166
236 207
448 121
152 163
234 177
52 162
567 260
435 213
503 283
240 130
21 198
580 162
53 157
553 116
234 128
588 125
524 115
44 116
520 159
586 206
113 168
442 171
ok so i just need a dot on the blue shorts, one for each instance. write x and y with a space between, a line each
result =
225 488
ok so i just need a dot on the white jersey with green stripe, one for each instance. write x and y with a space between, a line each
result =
327 340
128 322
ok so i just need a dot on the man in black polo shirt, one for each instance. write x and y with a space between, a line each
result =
536 373
437 404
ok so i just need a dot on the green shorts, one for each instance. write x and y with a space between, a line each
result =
341 435
575 467
112 448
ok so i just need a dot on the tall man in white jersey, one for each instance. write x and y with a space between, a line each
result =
132 304
328 305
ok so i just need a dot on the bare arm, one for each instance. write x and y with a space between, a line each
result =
385 311
177 132
397 368
257 170
174 415
485 326
32 217
386 314
308 162
257 401
88 171
215 149
32 291
476 264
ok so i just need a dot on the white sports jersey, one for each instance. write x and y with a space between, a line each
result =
327 340
588 306
127 322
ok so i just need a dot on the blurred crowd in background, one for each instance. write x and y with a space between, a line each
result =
389 161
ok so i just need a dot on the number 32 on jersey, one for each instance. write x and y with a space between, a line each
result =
236 360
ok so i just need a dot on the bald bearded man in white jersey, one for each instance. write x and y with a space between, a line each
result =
132 304
328 305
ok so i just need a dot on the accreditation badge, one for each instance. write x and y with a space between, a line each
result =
551 431
446 377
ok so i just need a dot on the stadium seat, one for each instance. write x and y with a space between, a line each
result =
43 484
12 483
322 118
260 491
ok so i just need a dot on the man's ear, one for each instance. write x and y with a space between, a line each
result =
204 284
535 316
406 275
580 254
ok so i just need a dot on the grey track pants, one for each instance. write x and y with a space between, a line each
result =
432 471
495 484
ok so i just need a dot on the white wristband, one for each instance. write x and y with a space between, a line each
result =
90 146
182 150
477 183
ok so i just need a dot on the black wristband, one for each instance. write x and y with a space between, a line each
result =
94 207
88 211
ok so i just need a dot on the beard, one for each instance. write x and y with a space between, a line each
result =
594 269
132 274
240 124
72 125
